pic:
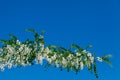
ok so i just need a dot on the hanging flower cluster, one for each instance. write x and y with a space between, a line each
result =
15 53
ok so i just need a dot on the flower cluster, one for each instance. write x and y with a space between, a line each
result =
15 53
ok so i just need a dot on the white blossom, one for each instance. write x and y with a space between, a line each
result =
24 64
21 47
57 63
9 65
81 65
84 51
27 50
41 46
72 63
39 59
70 57
77 63
89 54
92 59
2 67
10 49
49 60
78 54
99 59
41 36
53 57
64 61
47 50
1 49
18 42
17 59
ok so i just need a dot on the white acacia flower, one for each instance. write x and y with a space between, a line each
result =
2 67
19 61
41 46
92 59
10 49
72 63
1 59
18 42
53 57
39 59
45 56
64 61
89 54
1 49
49 60
99 59
70 57
27 50
8 46
41 36
24 64
76 63
21 47
78 54
57 63
84 51
81 65
47 50
9 65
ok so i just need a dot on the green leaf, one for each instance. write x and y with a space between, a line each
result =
42 32
95 69
34 32
3 41
47 65
52 47
62 48
40 40
31 30
9 42
107 60
76 46
107 55
13 37
88 47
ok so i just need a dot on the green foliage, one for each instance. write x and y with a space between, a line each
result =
106 59
16 53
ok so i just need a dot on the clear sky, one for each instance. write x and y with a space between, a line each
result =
95 22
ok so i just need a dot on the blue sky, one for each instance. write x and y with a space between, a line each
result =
95 22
